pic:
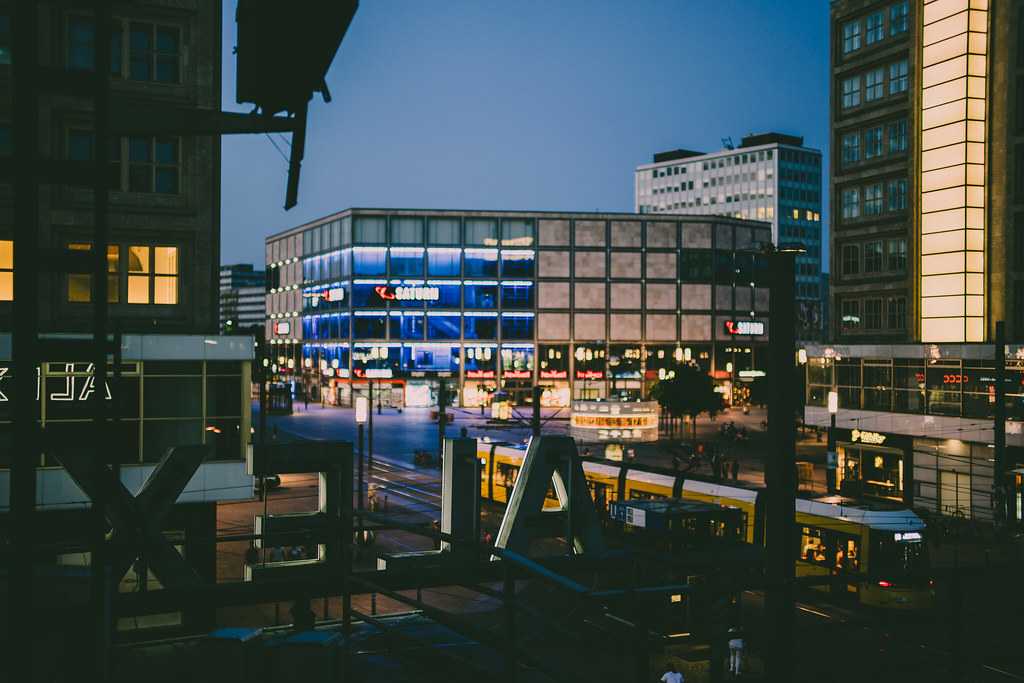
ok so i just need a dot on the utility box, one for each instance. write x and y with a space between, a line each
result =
460 495
308 656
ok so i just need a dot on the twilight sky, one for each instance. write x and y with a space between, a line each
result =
532 105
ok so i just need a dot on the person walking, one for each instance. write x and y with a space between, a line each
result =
735 651
305 399
673 675
735 467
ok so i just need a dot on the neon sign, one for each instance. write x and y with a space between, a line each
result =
517 374
554 374
330 295
589 374
480 374
751 327
867 437
77 387
414 293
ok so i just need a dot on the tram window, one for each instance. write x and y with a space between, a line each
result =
812 546
847 556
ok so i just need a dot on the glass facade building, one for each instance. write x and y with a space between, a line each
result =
585 304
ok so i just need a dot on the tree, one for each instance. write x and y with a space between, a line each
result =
687 390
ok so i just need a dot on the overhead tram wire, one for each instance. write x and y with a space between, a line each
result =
283 155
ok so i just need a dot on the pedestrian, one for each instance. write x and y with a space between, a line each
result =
463 432
252 555
673 675
305 399
735 469
735 651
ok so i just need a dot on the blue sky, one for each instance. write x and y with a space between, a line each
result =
528 105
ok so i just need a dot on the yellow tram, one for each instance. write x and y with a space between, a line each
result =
880 547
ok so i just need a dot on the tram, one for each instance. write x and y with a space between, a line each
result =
880 547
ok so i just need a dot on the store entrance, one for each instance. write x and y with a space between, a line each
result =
869 471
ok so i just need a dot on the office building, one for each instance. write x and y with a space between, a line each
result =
242 299
164 227
928 227
585 304
769 177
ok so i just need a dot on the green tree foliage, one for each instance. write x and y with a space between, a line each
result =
687 390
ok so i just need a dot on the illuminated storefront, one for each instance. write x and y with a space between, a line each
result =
616 421
584 305
872 464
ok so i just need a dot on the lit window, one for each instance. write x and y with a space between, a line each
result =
796 214
874 82
851 92
165 280
851 36
898 17
152 275
898 77
80 284
138 275
874 28
6 270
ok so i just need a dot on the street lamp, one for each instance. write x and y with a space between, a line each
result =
830 457
362 415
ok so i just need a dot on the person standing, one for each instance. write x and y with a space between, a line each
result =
673 675
735 469
735 651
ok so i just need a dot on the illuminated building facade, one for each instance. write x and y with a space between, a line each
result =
769 177
928 228
588 305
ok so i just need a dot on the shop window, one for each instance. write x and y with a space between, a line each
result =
517 264
517 233
369 326
6 270
80 284
481 327
407 326
481 232
481 263
955 494
944 389
406 261
368 261
517 326
444 262
517 296
448 295
481 295
443 326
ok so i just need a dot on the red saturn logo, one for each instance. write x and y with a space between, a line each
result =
383 293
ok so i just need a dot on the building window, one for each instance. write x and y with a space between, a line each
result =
850 318
154 53
874 85
81 147
873 142
898 136
898 77
851 203
406 261
851 37
407 231
851 259
81 41
80 284
896 313
851 148
897 256
874 28
873 200
444 262
873 314
851 92
153 165
873 257
482 232
6 270
897 195
443 230
517 327
898 17
152 275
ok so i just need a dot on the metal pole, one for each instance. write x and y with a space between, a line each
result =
780 474
1003 495
361 475
369 448
442 416
570 528
830 465
25 330
101 584
510 624
535 421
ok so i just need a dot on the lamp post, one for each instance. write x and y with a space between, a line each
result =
831 459
362 413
